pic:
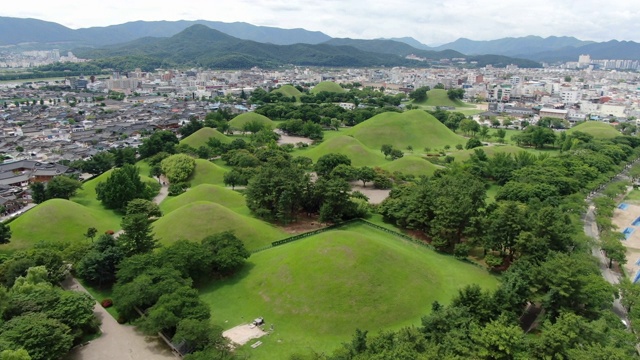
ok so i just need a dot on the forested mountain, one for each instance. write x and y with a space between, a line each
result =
625 50
513 46
393 47
199 45
16 30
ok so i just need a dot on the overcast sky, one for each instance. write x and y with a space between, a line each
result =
429 21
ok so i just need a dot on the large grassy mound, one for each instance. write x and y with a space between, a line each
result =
239 121
438 97
55 221
199 219
597 129
87 197
200 137
329 86
359 154
206 192
318 290
412 165
207 172
289 91
415 127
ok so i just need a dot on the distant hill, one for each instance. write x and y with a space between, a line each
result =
17 30
625 50
199 45
412 42
512 46
393 47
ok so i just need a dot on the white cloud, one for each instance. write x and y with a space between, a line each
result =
430 21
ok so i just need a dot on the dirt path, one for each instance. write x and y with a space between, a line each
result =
117 341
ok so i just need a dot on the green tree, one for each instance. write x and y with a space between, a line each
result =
226 252
469 127
171 308
5 233
91 233
455 94
137 236
62 187
419 94
473 143
100 263
365 174
396 154
611 244
122 186
20 354
500 135
178 167
38 193
143 206
160 141
326 163
235 177
189 128
386 149
198 335
42 337
99 163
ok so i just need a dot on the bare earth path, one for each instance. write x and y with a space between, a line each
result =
117 341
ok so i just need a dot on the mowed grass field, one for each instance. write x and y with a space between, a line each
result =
414 128
56 221
207 192
359 154
289 91
318 290
200 137
200 219
207 172
239 121
597 129
438 97
412 165
329 86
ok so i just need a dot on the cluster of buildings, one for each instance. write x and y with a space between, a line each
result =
27 59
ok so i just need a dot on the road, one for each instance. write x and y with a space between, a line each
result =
122 342
591 229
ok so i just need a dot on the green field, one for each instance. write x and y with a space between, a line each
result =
412 165
207 192
328 86
200 137
463 155
239 121
200 219
415 127
289 91
56 221
597 129
318 290
207 172
438 97
359 154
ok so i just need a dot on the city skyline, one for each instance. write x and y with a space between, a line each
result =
432 23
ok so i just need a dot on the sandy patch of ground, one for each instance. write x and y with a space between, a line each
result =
624 219
287 139
376 196
242 334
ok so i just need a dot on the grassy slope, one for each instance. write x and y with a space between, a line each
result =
598 129
288 90
329 86
239 121
489 150
203 218
200 137
207 172
87 197
317 291
57 221
359 154
206 192
411 164
414 127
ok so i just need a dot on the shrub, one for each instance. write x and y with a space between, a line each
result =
106 303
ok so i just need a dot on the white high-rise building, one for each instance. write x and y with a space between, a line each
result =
584 60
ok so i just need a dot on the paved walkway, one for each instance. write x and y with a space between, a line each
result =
121 342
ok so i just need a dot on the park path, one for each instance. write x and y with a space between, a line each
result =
122 342
591 230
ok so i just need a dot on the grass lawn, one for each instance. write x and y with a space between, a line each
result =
239 121
101 294
200 219
207 172
597 129
634 195
359 154
289 91
411 164
329 86
200 137
318 290
414 127
463 155
207 192
492 191
438 97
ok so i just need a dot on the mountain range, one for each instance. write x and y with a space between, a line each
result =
551 49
